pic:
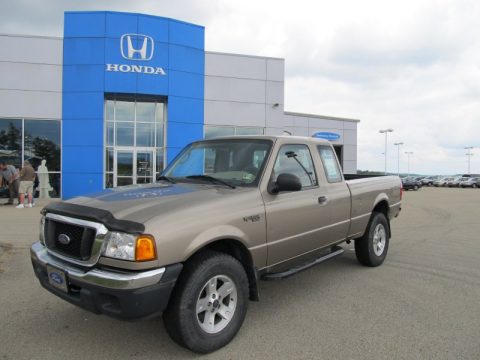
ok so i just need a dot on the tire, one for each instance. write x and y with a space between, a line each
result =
193 291
367 248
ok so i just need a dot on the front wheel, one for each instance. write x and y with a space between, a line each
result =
371 249
209 302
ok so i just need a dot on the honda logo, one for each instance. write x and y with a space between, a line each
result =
136 47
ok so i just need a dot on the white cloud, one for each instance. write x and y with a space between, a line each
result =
412 65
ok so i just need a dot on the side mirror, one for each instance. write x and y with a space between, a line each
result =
286 182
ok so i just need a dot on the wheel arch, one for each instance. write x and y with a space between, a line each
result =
383 208
239 251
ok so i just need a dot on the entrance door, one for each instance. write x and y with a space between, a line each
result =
133 166
145 167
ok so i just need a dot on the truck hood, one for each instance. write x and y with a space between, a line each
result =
140 203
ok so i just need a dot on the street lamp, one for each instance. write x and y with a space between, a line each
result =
469 155
398 144
408 153
386 131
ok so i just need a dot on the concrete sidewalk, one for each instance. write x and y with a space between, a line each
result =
19 227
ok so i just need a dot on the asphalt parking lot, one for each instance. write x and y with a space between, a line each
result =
422 303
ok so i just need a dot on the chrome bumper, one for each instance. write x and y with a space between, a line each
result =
102 278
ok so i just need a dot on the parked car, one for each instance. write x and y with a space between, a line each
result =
457 181
409 183
442 181
473 182
195 244
429 180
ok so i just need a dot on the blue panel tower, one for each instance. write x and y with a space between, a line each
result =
132 54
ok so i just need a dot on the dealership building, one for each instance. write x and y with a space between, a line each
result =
116 99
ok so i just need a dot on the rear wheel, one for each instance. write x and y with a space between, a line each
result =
371 249
209 302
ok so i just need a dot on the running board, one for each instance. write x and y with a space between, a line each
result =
336 251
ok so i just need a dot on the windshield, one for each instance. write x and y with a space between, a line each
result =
238 162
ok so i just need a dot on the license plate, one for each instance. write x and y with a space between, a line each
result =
57 278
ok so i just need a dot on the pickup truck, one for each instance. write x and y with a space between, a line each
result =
225 214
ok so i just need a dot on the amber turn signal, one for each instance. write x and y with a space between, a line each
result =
145 248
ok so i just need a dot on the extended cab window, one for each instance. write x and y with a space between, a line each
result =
330 164
296 160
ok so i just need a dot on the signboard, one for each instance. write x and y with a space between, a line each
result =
331 136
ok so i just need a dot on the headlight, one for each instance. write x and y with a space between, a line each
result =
130 247
41 235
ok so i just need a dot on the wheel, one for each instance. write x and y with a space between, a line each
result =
415 187
209 302
371 249
430 184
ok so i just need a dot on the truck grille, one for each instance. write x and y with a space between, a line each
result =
68 239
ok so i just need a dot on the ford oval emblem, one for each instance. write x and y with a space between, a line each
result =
56 278
63 239
326 135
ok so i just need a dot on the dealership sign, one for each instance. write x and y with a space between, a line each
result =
331 136
142 52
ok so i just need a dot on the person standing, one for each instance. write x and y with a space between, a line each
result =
10 176
27 177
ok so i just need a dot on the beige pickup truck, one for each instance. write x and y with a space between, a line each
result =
225 214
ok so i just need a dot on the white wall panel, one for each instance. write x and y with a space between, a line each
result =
237 66
38 50
234 113
276 69
234 89
25 76
33 104
275 92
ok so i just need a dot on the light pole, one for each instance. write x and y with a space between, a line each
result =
385 131
469 155
398 144
408 153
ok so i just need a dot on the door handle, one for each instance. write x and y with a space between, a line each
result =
322 200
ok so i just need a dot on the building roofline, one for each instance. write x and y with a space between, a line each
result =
244 55
33 36
324 117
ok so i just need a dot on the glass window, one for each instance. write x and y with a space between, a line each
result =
124 133
145 112
42 142
249 131
124 110
217 131
296 160
146 134
124 163
108 180
234 161
109 110
110 137
11 141
109 160
160 112
160 134
330 164
160 161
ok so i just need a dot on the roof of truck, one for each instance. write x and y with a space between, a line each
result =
273 137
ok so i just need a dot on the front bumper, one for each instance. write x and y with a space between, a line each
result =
126 295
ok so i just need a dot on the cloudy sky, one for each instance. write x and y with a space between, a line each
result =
413 66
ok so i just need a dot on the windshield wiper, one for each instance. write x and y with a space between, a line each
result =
211 179
166 178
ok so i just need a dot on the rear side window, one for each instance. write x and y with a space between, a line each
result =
330 164
296 160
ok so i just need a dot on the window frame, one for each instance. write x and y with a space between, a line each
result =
317 185
324 166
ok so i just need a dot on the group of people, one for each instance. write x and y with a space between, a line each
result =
20 183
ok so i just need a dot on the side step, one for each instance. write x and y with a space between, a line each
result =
336 251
